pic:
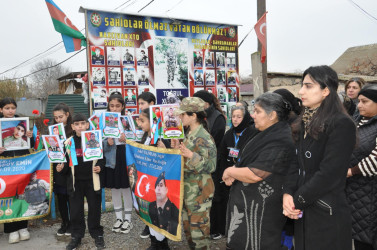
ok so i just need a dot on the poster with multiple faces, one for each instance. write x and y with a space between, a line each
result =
134 54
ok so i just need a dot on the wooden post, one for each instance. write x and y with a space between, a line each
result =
256 65
261 9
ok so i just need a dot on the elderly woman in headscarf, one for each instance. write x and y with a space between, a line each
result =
254 217
233 142
361 186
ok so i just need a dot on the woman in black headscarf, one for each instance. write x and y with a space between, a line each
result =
233 141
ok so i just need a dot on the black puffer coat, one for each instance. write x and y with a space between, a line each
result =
362 191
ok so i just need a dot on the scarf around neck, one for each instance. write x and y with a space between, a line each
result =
307 117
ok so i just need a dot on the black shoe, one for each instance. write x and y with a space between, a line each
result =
75 242
62 229
164 245
68 231
99 242
154 243
145 233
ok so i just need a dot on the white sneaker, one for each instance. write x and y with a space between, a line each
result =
126 227
24 234
14 237
117 226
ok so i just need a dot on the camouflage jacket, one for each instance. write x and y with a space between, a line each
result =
199 186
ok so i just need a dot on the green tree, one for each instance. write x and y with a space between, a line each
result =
14 89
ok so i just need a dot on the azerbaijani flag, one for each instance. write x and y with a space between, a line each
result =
71 151
73 39
38 145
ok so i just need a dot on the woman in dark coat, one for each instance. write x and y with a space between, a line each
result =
254 218
314 192
233 142
362 182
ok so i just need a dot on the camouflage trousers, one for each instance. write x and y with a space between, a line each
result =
196 225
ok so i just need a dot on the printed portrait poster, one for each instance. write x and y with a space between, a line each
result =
58 129
209 59
111 126
232 77
127 122
156 182
99 96
220 59
171 62
112 90
221 77
138 131
231 60
131 111
13 133
198 58
142 89
128 56
129 77
143 75
142 57
20 178
99 76
232 94
113 56
54 148
221 94
98 55
130 97
198 77
94 122
212 90
91 142
210 77
114 76
172 127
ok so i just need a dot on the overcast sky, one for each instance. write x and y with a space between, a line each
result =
300 33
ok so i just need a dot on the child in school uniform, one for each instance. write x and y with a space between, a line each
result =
115 172
17 230
63 115
81 183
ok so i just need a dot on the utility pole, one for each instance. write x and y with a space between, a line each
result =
261 9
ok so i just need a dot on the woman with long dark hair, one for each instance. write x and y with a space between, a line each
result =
314 192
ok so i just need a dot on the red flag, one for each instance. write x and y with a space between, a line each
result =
261 30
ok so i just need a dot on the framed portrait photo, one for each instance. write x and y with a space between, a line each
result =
13 133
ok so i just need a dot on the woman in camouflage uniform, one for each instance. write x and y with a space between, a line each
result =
199 151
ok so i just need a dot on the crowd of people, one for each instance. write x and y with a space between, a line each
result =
302 169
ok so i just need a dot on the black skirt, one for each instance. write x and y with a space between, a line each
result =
117 177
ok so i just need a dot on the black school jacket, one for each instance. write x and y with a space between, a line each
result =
317 182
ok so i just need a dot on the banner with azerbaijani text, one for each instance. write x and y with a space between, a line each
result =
25 187
156 181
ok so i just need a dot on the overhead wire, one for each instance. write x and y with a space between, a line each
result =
41 53
146 6
362 10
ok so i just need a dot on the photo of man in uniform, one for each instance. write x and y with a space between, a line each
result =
143 79
170 120
53 144
171 59
18 137
163 213
92 143
97 58
35 196
128 58
143 58
129 77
